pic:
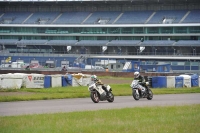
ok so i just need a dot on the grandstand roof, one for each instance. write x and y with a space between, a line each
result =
148 57
97 2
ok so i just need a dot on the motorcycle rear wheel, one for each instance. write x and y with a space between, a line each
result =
150 95
111 97
94 96
135 95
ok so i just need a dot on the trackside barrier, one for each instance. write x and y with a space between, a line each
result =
24 75
194 80
19 80
178 82
199 81
64 81
150 81
47 81
170 81
56 81
0 80
80 79
35 81
186 81
159 82
11 81
67 80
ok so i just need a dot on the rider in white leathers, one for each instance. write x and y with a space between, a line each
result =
99 82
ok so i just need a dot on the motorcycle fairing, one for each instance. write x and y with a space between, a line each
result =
99 89
108 88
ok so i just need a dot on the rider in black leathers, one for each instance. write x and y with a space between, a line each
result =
141 79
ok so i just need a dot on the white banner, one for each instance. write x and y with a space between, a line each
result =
35 81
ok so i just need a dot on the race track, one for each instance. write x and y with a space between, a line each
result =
83 104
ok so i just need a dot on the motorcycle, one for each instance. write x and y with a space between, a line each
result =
138 91
97 93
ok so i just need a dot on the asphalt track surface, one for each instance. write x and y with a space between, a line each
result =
84 104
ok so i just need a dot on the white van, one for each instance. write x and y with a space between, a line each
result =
17 64
94 67
89 67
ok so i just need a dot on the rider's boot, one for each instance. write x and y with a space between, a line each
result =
147 89
107 93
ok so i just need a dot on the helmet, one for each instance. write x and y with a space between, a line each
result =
93 77
136 74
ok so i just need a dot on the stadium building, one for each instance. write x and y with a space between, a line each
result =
125 35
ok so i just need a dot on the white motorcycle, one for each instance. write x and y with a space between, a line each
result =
97 93
138 91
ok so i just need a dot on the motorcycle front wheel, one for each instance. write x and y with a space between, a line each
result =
111 97
150 95
94 96
136 95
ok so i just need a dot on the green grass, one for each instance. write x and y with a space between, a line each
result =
172 119
111 77
78 92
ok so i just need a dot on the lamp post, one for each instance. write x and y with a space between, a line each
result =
194 51
56 64
4 61
174 51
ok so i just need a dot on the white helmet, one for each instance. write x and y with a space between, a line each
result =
93 77
136 74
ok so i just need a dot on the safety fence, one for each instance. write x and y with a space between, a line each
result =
23 80
175 81
33 80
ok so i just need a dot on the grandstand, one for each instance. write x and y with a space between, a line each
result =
64 30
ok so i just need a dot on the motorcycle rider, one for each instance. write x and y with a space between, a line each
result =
141 79
98 82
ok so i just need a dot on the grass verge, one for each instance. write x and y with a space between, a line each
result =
78 92
172 119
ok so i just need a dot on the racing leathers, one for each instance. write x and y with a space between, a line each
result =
142 82
99 82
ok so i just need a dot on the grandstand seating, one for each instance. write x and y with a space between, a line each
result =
169 14
193 17
128 17
157 43
42 18
124 42
113 17
14 17
134 17
33 42
62 42
104 15
8 41
103 42
92 43
71 18
188 43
